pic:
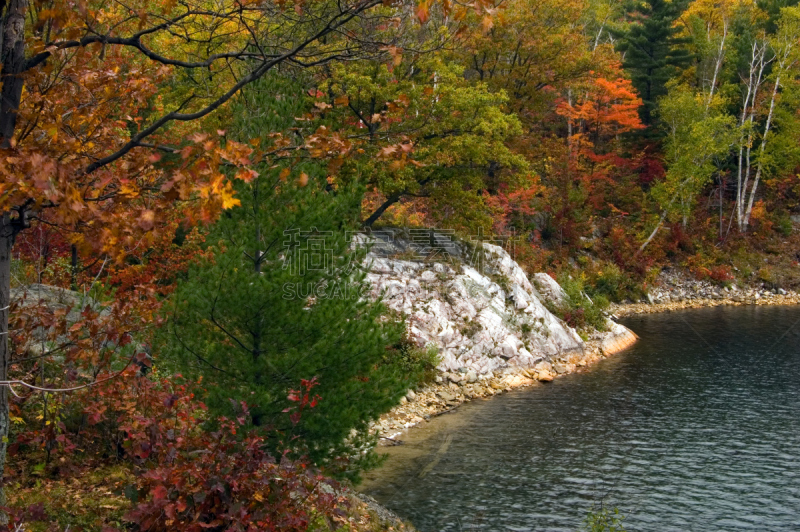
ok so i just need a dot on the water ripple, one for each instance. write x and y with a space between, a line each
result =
680 434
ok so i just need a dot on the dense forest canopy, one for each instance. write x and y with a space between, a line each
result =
155 154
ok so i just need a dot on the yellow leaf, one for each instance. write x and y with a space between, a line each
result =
229 201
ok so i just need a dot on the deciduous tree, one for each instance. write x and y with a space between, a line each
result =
93 92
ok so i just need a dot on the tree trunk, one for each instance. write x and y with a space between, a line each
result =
655 231
382 209
757 64
717 64
760 166
12 48
13 55
6 241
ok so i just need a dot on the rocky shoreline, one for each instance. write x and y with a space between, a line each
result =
673 291
453 388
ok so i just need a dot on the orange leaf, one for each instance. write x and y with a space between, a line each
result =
422 12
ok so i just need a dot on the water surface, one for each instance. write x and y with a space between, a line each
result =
697 427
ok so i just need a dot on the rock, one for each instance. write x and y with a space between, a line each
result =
403 400
544 376
518 380
54 300
466 314
548 288
620 338
496 384
472 377
560 369
446 396
411 395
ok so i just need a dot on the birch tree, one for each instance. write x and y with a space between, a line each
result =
784 47
696 136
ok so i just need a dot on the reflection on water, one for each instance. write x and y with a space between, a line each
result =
694 428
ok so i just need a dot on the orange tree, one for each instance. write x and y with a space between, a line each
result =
102 105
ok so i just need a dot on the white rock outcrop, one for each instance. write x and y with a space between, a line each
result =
484 315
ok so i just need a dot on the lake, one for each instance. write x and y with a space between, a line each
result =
695 428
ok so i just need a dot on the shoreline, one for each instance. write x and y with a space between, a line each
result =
620 310
454 389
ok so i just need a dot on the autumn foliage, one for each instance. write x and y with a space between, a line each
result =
604 139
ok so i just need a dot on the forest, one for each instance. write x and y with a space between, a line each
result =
168 168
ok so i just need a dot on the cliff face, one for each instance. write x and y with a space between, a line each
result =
475 303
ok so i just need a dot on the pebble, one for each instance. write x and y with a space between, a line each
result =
674 290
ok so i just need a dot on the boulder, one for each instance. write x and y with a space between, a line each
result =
53 300
618 339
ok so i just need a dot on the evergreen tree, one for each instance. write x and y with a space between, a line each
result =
652 51
285 299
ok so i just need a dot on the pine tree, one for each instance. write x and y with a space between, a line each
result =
285 299
652 51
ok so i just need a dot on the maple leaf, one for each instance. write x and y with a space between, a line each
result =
246 175
160 492
423 12
229 201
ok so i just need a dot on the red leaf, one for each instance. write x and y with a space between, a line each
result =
160 492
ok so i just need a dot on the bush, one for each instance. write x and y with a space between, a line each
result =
420 362
783 224
220 480
614 284
581 311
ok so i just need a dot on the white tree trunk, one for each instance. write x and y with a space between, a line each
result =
756 75
717 64
761 148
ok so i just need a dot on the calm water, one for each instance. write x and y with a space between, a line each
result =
695 428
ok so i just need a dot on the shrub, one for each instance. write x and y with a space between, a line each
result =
784 225
415 361
581 311
224 479
614 284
